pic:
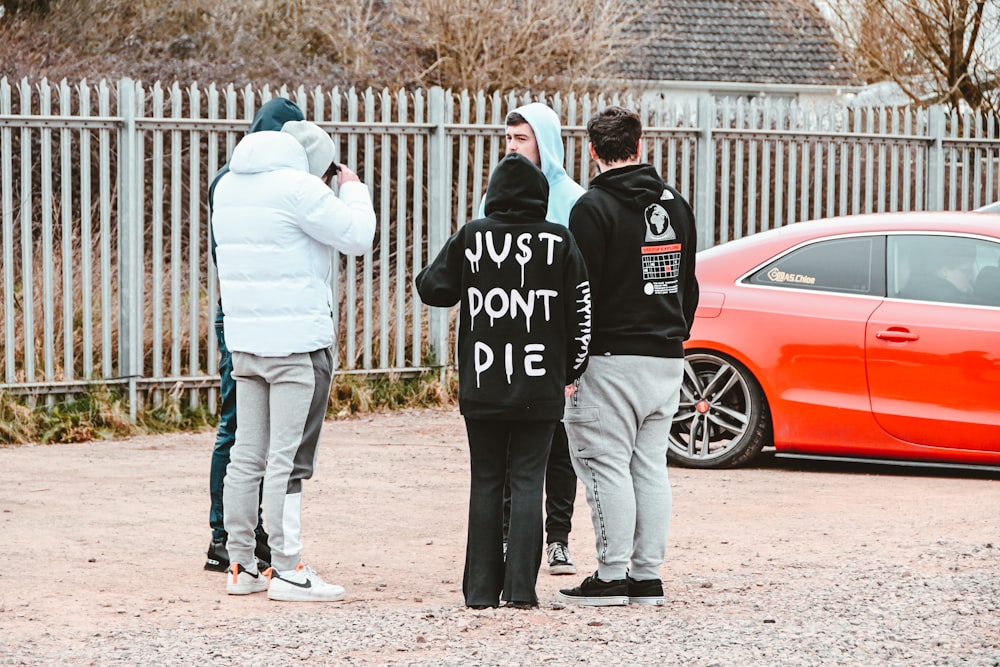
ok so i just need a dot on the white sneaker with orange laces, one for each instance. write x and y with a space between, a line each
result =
241 581
302 585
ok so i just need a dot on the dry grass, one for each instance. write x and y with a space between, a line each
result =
232 41
101 412
354 394
96 414
469 43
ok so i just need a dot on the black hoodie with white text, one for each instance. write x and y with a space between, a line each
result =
524 323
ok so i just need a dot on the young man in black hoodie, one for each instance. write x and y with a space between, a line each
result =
638 237
524 327
272 115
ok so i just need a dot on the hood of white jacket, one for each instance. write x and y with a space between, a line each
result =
268 151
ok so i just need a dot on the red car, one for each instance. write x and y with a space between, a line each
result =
872 337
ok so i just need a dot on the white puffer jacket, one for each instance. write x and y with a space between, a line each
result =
274 226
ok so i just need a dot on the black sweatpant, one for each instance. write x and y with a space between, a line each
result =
498 449
560 490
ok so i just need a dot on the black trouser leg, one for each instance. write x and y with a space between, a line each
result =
560 489
483 577
496 448
528 452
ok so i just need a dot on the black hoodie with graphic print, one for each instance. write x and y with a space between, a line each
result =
638 237
524 323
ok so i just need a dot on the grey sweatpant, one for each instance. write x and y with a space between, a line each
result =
618 422
280 406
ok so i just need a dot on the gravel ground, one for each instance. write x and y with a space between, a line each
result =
779 564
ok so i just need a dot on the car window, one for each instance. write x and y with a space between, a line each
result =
946 269
850 265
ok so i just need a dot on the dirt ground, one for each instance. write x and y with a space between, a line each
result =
110 536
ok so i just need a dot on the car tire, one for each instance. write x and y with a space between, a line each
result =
723 420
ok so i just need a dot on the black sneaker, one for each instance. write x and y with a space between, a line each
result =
649 591
595 592
217 559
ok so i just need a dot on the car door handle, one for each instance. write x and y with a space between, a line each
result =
894 335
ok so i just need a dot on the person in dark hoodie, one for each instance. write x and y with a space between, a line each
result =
638 237
524 328
271 116
533 130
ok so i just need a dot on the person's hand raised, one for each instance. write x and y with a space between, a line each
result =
345 175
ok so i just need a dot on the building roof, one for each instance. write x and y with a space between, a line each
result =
753 41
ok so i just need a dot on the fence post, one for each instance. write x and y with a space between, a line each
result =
129 233
935 158
704 174
438 213
7 225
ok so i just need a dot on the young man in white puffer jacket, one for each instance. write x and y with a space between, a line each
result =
275 220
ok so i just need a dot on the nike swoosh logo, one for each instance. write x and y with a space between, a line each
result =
307 584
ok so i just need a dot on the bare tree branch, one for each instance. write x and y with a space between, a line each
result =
932 49
509 44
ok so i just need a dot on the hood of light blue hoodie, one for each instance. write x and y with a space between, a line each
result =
545 124
563 190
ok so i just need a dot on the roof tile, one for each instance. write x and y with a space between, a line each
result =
753 41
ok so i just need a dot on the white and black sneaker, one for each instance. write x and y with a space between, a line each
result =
648 591
596 592
242 581
302 585
559 560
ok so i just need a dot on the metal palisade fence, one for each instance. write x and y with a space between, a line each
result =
107 276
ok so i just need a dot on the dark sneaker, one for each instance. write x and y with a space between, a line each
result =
595 592
217 559
243 582
559 560
649 591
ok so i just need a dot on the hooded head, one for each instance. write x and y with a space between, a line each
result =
545 125
270 116
274 113
320 148
517 187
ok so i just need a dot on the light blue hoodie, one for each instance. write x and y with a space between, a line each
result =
563 190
